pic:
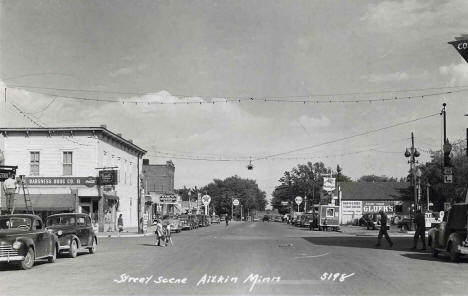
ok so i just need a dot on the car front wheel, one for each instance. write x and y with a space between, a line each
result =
73 251
454 256
93 248
53 256
28 260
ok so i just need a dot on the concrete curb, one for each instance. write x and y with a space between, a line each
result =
123 235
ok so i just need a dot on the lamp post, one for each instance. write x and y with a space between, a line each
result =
412 154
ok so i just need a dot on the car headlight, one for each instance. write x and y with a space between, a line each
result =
16 245
59 233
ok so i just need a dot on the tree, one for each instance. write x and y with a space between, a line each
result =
432 174
305 180
222 193
375 178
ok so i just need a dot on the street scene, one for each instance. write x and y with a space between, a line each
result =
233 148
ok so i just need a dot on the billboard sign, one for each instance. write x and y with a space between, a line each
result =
284 203
168 199
461 45
329 184
206 199
60 181
377 206
351 207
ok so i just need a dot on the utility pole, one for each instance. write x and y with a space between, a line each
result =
428 186
412 154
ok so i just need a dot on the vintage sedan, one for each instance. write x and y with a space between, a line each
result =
215 219
74 231
174 221
24 239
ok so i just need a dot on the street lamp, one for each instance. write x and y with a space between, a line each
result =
412 154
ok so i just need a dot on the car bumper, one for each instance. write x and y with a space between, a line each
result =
11 258
463 250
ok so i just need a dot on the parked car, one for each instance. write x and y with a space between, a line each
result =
266 218
431 218
215 219
24 239
202 220
306 220
173 221
222 218
370 221
74 232
256 219
278 219
451 234
187 222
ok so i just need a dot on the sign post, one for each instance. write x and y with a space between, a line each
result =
298 200
206 199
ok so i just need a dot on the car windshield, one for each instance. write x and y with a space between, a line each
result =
15 223
61 221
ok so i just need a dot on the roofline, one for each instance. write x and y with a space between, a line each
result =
102 129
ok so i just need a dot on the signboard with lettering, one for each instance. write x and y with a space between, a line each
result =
168 199
351 206
461 46
284 203
108 177
206 199
329 184
60 181
376 206
6 171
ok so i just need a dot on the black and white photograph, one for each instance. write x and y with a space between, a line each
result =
233 147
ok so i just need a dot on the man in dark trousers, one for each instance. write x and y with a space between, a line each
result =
420 222
383 229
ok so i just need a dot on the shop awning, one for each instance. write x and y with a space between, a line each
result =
46 202
111 197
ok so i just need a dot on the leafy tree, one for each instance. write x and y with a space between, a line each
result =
245 190
303 180
375 178
432 174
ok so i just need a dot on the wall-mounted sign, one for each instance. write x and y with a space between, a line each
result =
351 207
377 206
108 177
60 181
6 171
284 203
168 199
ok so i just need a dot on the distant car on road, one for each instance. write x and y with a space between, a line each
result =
266 218
278 219
24 239
370 221
256 219
215 219
74 232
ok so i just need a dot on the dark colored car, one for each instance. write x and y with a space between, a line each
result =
370 221
202 220
74 232
450 235
24 239
266 218
306 220
215 219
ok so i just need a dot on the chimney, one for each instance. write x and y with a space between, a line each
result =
104 126
145 161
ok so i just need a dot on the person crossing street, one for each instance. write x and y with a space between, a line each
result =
383 230
420 222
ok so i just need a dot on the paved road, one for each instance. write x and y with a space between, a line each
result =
246 259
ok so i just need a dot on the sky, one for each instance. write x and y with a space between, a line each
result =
139 53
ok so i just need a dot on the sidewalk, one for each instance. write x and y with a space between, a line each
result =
128 232
362 231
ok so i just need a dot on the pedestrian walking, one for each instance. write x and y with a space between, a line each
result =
227 221
420 222
168 237
159 232
120 224
383 230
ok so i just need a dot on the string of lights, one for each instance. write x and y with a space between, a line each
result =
198 100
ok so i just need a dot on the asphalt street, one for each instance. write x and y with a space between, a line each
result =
250 258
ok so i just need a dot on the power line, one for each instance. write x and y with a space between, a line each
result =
349 137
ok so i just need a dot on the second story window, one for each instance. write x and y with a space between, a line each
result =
67 163
34 163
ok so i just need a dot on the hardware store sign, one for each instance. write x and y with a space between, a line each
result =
60 181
